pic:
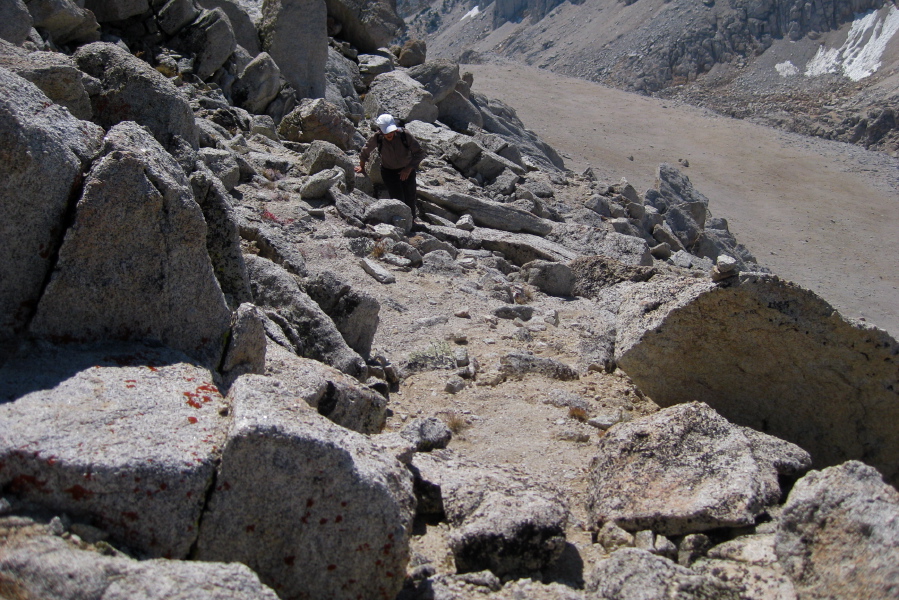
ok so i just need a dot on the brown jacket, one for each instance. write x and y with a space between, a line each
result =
394 153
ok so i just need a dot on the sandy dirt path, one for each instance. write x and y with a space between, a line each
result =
822 214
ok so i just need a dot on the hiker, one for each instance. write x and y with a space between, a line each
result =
400 156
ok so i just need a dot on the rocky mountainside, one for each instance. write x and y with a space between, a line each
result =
230 367
823 68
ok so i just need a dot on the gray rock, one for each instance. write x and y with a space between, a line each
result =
246 344
296 496
354 312
401 96
518 364
438 77
318 185
132 90
271 241
427 434
520 248
553 278
612 537
514 311
44 565
380 274
392 212
334 395
440 261
65 20
501 520
244 30
664 235
55 74
311 332
222 238
223 165
752 581
487 213
318 119
15 22
125 437
454 385
321 155
626 249
686 469
176 14
760 336
134 264
372 65
458 112
838 534
258 84
632 574
367 24
294 33
39 138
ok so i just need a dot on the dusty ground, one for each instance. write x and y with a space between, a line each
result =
822 214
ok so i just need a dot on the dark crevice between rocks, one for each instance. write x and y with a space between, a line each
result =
328 402
193 553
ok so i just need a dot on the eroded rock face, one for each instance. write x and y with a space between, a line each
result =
333 394
294 33
401 96
502 520
315 509
355 313
38 564
686 469
770 355
54 73
15 22
134 264
132 90
839 532
366 24
39 138
310 331
632 574
125 437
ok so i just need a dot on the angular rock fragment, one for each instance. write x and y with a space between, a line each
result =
487 213
686 469
354 312
518 364
316 510
502 520
294 33
38 564
311 332
770 355
333 394
125 437
632 574
838 535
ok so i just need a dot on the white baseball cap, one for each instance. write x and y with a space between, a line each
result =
386 123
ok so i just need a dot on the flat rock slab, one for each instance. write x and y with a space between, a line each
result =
316 510
686 469
487 213
126 437
770 355
839 534
38 564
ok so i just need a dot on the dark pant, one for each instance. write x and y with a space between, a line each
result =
398 189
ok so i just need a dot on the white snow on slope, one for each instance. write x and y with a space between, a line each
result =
860 56
472 13
787 69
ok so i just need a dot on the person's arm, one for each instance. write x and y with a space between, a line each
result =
418 155
366 152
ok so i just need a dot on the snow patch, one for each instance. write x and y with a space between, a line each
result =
860 56
472 13
787 69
